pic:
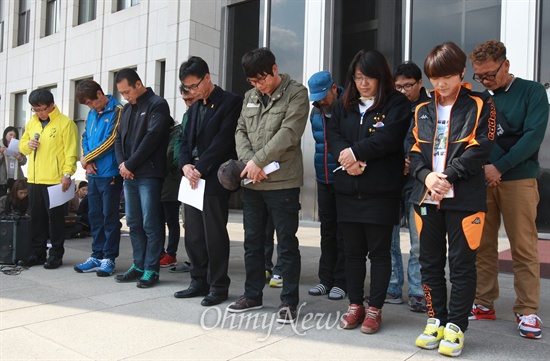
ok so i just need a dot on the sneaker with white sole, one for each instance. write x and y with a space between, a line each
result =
91 265
106 268
480 312
453 341
276 282
529 326
432 335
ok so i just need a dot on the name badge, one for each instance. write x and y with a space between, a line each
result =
253 105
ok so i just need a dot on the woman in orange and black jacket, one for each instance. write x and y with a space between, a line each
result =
454 133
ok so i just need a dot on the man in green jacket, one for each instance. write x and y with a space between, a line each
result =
50 141
512 189
270 128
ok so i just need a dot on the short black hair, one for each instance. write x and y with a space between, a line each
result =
258 62
128 74
193 66
408 70
87 90
41 96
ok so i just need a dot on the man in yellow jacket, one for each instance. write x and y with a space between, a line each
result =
50 141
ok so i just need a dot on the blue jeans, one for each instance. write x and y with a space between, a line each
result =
283 205
413 268
103 202
144 218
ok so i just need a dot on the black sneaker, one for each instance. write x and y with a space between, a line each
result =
287 313
53 262
31 260
132 275
149 279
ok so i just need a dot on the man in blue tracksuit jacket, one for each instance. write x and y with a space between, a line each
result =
104 180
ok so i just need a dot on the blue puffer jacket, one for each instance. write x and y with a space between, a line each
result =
324 161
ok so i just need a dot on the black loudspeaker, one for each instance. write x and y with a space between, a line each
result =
14 240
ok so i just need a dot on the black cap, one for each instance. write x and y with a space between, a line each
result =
229 174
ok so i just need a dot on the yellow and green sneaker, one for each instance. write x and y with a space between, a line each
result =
432 335
453 341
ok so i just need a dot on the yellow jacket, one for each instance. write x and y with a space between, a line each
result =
58 150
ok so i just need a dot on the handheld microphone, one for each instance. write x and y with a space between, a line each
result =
36 137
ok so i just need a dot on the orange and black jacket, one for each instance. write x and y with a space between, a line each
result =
470 140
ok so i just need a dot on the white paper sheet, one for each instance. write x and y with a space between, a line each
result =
192 197
13 147
58 197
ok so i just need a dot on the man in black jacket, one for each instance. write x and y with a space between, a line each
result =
140 146
208 141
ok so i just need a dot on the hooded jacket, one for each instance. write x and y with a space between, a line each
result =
471 136
58 150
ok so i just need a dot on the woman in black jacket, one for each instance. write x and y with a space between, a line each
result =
366 136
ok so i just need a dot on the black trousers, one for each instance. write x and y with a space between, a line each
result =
45 221
332 262
207 243
372 240
463 230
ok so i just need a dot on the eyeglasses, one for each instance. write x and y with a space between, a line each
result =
34 110
359 79
488 77
192 87
407 86
259 81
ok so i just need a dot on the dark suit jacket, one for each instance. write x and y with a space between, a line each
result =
214 138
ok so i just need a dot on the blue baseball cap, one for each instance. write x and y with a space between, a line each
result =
319 85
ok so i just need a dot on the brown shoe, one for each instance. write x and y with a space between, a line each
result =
373 319
355 315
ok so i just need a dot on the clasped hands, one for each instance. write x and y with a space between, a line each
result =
438 185
351 165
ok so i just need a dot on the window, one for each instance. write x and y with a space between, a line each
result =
53 15
1 26
376 26
20 114
86 11
160 78
465 22
248 21
24 22
124 4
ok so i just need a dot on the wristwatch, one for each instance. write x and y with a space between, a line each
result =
67 175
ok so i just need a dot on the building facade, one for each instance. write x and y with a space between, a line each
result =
56 43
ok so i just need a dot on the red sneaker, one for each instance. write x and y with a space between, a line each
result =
480 312
355 314
167 261
373 319
529 326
